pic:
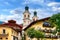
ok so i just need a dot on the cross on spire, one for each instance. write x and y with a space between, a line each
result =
26 2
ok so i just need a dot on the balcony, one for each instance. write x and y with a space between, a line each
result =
51 36
3 34
47 31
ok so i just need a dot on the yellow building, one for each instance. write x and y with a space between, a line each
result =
44 26
10 31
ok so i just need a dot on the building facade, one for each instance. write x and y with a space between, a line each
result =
10 31
26 17
44 26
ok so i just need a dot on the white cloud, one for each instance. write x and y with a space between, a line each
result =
54 9
41 13
19 17
17 14
33 1
16 17
53 4
17 11
57 9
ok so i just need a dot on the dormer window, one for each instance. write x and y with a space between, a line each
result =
46 24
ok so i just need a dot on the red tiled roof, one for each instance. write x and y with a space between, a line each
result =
12 23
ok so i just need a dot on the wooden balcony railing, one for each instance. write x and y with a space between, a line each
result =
4 34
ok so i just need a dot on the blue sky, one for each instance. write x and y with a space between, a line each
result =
13 9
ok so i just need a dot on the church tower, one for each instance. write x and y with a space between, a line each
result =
26 17
35 16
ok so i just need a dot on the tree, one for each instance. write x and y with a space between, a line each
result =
39 34
31 33
55 21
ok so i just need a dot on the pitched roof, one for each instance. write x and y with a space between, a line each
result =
12 24
36 22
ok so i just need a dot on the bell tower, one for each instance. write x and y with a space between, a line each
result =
26 13
35 16
26 17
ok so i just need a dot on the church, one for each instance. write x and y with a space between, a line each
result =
26 17
38 24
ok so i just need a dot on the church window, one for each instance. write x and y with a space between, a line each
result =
28 16
24 15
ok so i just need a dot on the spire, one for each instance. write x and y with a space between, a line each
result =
35 13
27 8
35 16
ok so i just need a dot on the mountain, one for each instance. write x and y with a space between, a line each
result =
1 22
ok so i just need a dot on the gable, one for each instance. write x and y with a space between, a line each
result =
38 23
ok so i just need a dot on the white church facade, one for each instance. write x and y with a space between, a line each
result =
26 17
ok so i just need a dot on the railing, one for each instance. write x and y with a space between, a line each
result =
47 31
4 34
51 36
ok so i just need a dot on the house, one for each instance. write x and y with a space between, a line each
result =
44 26
10 31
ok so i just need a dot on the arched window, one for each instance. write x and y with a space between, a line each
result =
24 15
28 16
